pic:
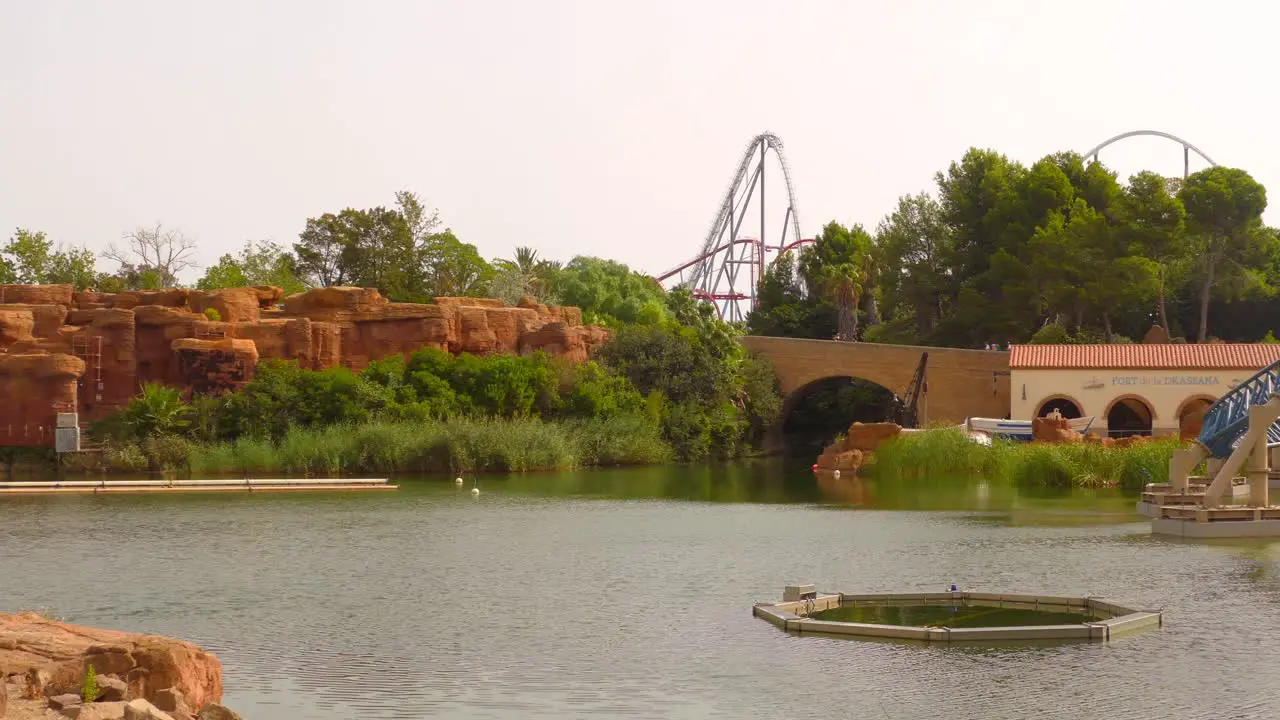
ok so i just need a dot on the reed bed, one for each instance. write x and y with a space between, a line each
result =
950 453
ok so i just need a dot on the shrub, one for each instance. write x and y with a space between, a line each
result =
89 688
213 315
158 409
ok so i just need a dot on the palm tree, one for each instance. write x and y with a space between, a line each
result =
525 274
843 284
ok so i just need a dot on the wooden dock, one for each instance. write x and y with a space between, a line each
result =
96 487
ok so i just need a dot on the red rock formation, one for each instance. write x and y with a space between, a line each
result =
834 458
30 643
869 436
35 295
34 387
124 340
851 452
1053 430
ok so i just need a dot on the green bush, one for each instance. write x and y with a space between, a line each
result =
158 409
212 314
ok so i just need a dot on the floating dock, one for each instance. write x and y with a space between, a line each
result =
96 487
801 601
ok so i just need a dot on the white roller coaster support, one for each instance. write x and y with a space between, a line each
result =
1183 462
1252 449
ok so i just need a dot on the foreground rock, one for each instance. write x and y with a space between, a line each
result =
861 440
58 655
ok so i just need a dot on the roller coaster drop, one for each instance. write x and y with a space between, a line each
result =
729 267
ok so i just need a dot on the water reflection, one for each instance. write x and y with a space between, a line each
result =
783 481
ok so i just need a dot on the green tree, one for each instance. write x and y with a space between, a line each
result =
916 275
452 268
609 292
1224 214
835 266
783 310
1153 222
31 259
324 249
261 263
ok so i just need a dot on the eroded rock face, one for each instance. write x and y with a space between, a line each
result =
34 387
214 367
127 339
149 663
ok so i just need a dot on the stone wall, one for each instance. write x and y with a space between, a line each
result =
94 350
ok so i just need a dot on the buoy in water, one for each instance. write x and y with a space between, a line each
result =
475 491
457 481
815 467
835 474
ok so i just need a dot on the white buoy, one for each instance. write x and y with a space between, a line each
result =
457 481
835 474
475 491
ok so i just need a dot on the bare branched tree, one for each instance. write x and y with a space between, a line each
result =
161 251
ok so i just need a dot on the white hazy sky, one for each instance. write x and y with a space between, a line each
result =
591 127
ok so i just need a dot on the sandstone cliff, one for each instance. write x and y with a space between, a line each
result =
92 351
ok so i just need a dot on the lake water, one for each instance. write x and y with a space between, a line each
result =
627 594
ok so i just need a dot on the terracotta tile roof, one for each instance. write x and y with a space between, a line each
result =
1238 356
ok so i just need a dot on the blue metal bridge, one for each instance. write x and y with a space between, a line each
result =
1227 420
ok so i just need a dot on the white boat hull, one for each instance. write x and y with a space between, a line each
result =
1018 429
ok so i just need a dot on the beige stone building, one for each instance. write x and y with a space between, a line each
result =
1128 389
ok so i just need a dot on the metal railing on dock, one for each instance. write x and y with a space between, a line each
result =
209 485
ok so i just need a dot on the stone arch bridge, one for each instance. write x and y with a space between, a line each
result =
958 383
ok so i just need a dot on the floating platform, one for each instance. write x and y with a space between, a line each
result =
801 601
1221 522
1158 495
96 487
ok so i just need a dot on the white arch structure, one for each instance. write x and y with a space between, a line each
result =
1187 148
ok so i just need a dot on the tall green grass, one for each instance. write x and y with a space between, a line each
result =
453 446
950 453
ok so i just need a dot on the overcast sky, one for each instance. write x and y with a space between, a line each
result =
591 127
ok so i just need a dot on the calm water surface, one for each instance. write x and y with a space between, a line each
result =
627 594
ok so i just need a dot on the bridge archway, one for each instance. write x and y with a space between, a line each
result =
814 414
958 384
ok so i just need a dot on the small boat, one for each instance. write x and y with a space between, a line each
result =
1017 429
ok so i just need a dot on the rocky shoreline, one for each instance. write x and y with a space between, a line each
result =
44 664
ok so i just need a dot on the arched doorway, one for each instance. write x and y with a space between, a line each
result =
1129 416
815 414
1069 408
1191 416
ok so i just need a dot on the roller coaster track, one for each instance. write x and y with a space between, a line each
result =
1227 419
1187 148
728 267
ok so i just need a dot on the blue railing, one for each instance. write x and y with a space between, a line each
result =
1227 420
